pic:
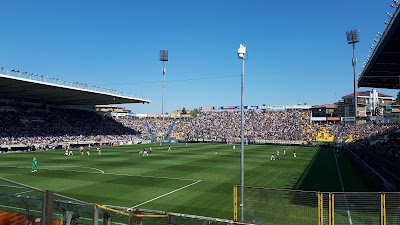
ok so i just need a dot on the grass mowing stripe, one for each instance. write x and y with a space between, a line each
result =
47 167
116 174
134 175
341 182
167 194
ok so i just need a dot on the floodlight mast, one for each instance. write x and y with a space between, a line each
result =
353 36
163 58
241 55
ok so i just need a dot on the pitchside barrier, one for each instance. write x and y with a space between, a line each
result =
286 207
24 205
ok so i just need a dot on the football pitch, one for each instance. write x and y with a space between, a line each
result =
196 180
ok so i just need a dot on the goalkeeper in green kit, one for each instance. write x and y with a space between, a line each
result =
34 164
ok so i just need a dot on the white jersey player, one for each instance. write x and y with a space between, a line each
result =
273 156
99 150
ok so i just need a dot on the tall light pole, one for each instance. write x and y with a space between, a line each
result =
353 36
163 58
241 54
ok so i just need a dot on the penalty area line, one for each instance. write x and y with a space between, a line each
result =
171 192
101 171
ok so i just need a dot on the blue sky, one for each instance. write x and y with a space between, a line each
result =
297 50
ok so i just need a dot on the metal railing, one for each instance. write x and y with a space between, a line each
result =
279 206
21 204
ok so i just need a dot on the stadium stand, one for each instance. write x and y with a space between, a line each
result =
266 125
377 144
24 124
42 113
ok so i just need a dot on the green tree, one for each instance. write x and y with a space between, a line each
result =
397 100
184 111
194 112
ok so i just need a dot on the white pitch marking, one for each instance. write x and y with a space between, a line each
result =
47 168
117 174
341 182
101 171
166 194
25 167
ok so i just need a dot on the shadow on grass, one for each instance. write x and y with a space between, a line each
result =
321 174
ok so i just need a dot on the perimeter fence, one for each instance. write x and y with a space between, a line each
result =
24 205
286 207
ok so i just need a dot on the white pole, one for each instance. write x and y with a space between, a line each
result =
242 147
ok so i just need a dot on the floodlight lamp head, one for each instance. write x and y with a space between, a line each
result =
389 15
353 36
241 51
163 55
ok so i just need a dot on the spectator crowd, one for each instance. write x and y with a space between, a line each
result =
27 125
21 125
264 125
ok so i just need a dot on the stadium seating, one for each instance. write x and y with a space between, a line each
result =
266 125
27 125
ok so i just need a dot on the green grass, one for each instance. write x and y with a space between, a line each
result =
198 180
